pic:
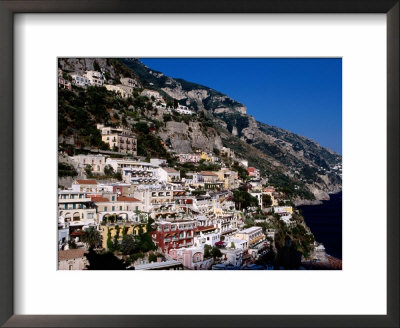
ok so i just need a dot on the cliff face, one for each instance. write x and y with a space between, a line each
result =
186 138
190 94
113 67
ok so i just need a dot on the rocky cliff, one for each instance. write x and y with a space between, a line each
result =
290 160
295 164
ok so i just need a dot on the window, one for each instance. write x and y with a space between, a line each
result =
113 198
136 208
120 208
113 208
105 208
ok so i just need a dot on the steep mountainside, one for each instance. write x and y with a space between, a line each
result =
285 156
294 164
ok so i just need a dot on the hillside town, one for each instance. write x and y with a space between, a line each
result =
199 210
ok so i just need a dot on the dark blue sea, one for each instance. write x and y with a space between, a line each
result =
325 222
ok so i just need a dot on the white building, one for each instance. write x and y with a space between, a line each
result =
95 78
79 80
189 158
236 243
158 199
205 237
76 212
158 161
151 93
124 91
129 82
258 195
168 174
244 162
232 256
96 162
184 110
87 186
134 172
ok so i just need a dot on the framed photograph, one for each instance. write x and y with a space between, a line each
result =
151 147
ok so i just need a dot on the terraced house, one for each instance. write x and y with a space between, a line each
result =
119 139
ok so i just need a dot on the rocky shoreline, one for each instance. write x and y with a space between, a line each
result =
306 202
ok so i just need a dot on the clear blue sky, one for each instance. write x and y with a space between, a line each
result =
300 95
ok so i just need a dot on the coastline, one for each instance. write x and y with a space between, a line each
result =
325 222
305 202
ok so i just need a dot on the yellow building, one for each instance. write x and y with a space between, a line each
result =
252 235
229 177
206 157
283 210
130 229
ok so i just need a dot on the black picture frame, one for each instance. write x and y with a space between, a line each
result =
7 10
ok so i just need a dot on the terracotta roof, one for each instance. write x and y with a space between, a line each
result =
208 173
269 189
170 170
71 254
127 199
86 181
208 228
250 169
100 199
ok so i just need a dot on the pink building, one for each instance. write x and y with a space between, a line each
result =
191 258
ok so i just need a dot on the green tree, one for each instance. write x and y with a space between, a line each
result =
207 251
266 200
110 245
72 244
216 253
116 237
128 245
243 199
88 171
109 170
118 176
104 261
149 225
152 257
65 170
91 237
